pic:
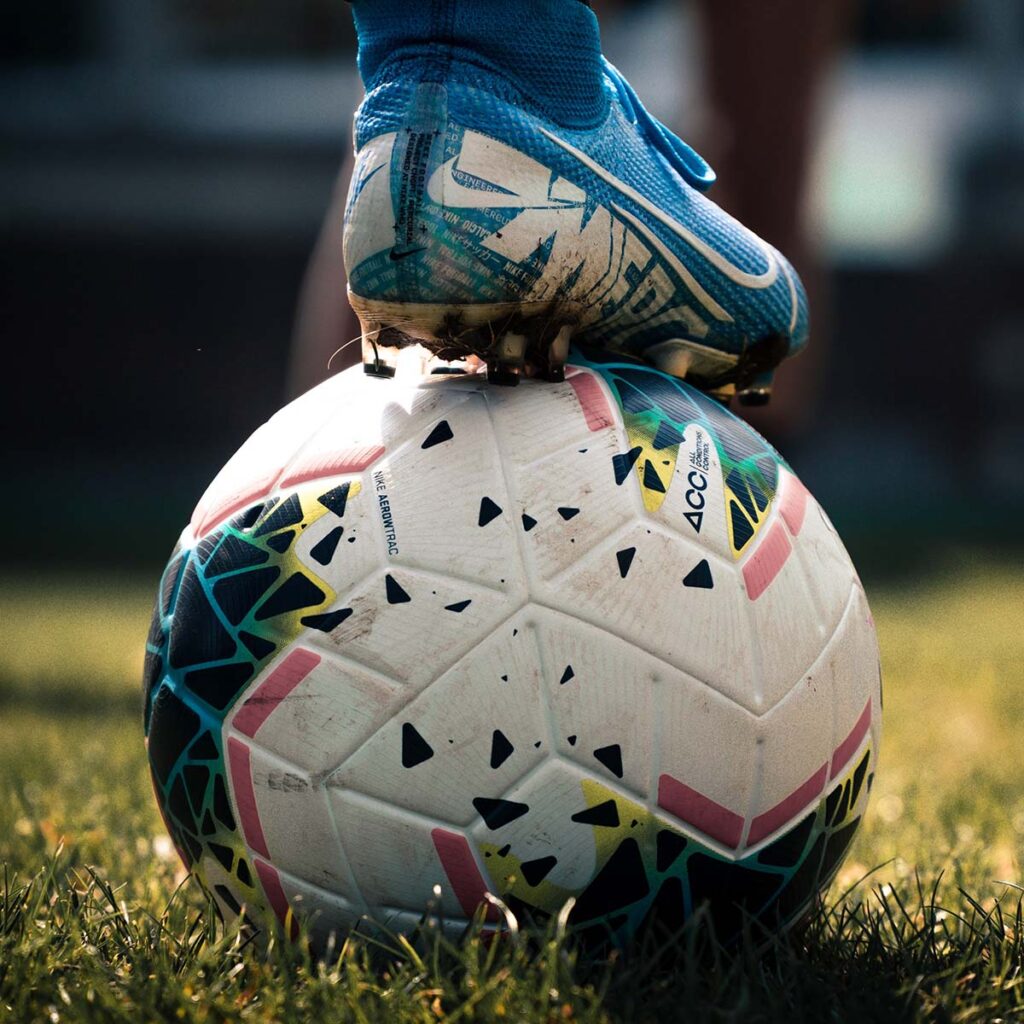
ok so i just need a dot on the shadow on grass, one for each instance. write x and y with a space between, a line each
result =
892 956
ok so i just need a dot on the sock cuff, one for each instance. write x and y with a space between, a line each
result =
549 49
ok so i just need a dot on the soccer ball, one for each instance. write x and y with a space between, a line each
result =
589 640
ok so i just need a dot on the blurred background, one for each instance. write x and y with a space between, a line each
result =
166 165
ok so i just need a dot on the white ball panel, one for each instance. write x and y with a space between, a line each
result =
405 412
855 653
696 629
369 413
552 795
325 914
328 714
708 743
377 633
297 825
532 423
497 686
796 739
591 716
827 565
787 624
576 504
391 853
439 528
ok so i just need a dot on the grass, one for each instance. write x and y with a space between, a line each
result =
98 923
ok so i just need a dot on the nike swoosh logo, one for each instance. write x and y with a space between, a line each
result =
713 256
446 190
360 185
396 255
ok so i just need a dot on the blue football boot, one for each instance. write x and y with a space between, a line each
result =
512 194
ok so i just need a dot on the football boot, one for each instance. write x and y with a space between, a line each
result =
511 194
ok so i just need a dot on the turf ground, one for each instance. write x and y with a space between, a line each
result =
97 922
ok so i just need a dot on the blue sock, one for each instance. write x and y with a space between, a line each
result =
550 50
